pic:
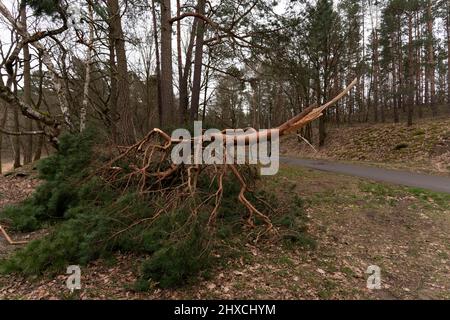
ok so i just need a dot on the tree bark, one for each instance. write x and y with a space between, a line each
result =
158 63
125 126
417 65
184 82
198 62
167 99
375 75
113 91
410 70
87 80
16 139
205 98
180 63
2 126
28 149
401 77
431 79
448 53
322 128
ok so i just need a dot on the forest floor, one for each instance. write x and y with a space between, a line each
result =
355 223
423 147
8 166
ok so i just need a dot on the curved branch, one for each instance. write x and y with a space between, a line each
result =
21 133
195 15
8 238
53 126
46 58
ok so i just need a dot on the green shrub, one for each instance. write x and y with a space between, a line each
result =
178 259
57 193
22 218
88 219
293 223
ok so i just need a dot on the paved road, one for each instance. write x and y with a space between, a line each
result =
434 183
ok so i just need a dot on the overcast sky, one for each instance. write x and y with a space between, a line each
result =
133 54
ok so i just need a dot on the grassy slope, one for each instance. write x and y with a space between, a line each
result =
355 223
423 147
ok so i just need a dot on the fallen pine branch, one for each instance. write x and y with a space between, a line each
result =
153 172
8 238
146 168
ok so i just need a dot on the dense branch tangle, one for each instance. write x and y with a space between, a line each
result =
147 166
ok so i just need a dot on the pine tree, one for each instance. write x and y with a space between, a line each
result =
323 42
44 7
351 13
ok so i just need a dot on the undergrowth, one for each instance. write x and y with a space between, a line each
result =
88 219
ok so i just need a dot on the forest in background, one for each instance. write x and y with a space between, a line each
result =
96 87
129 66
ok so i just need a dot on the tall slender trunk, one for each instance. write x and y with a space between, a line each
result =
448 53
337 107
205 97
375 75
410 70
395 92
125 125
87 81
322 128
114 89
430 75
16 139
167 98
2 125
158 63
401 76
360 96
181 110
418 64
184 82
198 61
40 139
28 148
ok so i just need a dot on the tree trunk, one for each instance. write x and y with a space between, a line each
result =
2 126
158 63
395 92
87 81
40 138
322 128
179 61
167 98
401 76
375 75
448 53
125 127
16 139
205 98
28 149
410 70
112 103
431 58
184 82
418 64
197 81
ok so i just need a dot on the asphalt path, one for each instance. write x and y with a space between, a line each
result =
406 178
